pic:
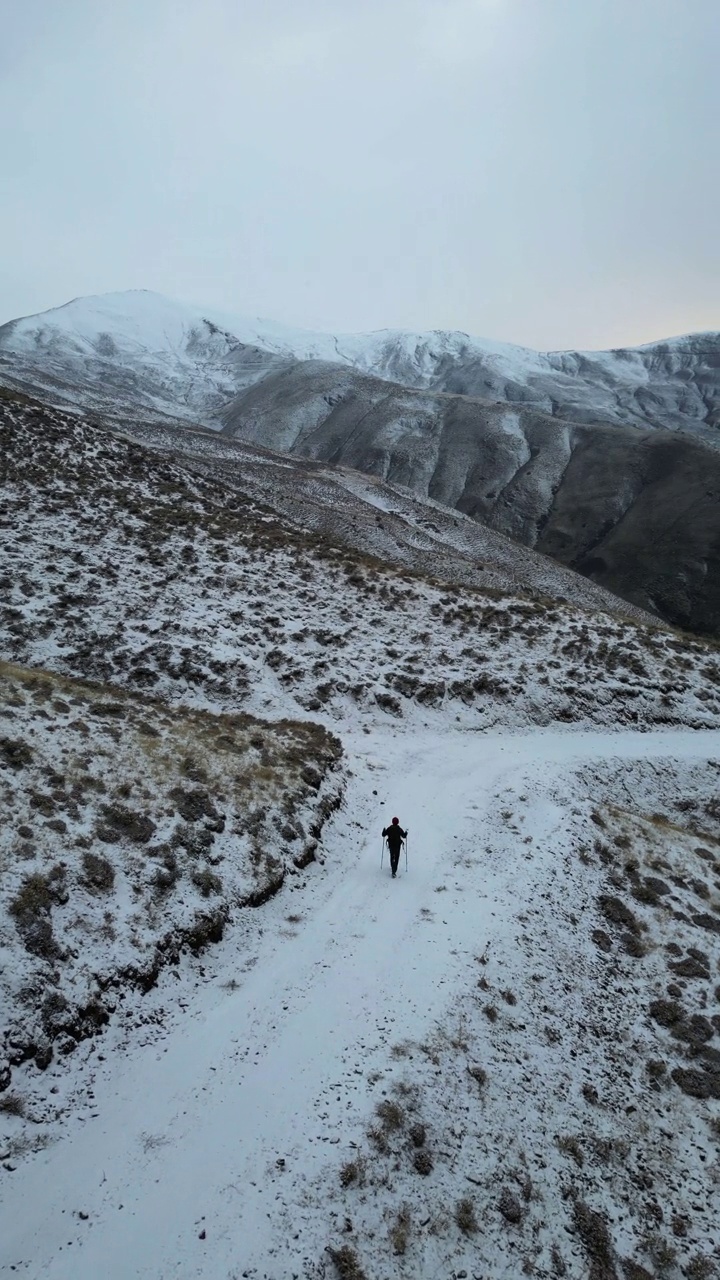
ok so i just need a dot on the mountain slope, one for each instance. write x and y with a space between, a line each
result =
637 511
673 384
377 520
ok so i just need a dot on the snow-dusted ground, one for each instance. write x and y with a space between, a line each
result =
220 1148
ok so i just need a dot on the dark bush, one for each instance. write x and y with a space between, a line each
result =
593 1231
206 881
31 910
510 1206
54 1012
350 1173
668 1013
696 1082
346 1263
632 945
12 1104
99 874
617 912
706 921
14 753
391 1116
690 967
193 804
119 823
388 703
695 1030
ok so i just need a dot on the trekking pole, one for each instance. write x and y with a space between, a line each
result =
406 845
382 855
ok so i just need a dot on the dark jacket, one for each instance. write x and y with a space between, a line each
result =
394 836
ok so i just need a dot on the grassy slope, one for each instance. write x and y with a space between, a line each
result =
133 830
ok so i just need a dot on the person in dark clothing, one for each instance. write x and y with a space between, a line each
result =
394 835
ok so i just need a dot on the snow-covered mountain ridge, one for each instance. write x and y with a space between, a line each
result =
187 361
134 350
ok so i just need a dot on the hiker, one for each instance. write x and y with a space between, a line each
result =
394 835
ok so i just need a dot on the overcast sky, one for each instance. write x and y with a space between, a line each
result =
539 171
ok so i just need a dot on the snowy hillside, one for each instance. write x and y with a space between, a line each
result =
233 1046
124 567
501 1063
378 519
149 808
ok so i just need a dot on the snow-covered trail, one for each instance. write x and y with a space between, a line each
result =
238 1110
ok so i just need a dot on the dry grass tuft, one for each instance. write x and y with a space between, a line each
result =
11 1104
346 1263
390 1115
465 1216
400 1231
